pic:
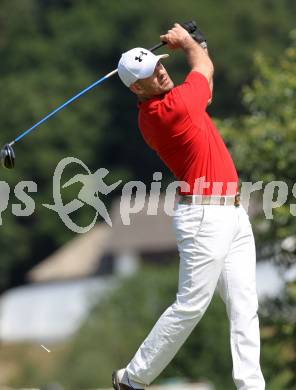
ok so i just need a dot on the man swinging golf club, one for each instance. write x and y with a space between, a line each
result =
213 232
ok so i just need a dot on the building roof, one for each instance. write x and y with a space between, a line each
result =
145 233
76 259
81 256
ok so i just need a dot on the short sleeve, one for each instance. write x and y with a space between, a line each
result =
195 94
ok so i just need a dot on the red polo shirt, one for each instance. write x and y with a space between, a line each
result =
178 128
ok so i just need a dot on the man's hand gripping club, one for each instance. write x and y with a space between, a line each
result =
197 56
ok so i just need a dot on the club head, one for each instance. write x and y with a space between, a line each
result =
7 157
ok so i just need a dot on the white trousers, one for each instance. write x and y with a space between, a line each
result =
217 249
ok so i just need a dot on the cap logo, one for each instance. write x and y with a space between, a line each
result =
140 56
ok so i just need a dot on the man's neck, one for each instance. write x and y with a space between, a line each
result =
143 99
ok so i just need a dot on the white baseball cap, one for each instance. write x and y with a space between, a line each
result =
137 63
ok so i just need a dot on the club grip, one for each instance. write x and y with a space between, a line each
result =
190 26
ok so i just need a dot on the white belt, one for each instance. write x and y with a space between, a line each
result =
210 200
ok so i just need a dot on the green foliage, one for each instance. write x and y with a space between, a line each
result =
263 143
279 340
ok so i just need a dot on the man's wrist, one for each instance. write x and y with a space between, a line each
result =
200 39
188 43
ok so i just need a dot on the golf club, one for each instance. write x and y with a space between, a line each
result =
7 154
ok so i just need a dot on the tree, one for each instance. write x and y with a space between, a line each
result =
263 143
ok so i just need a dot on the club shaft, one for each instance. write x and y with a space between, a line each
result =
52 113
72 99
155 47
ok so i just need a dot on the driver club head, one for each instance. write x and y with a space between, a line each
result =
7 157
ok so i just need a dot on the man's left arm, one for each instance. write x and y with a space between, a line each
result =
200 38
211 82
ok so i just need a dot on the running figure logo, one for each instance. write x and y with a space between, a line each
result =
92 186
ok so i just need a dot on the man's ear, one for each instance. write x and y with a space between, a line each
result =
136 88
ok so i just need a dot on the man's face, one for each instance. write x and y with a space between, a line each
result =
157 84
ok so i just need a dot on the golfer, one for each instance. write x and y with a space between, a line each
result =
213 232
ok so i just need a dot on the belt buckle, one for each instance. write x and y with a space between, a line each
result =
186 200
237 199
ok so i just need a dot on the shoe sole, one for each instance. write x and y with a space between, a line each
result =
115 382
